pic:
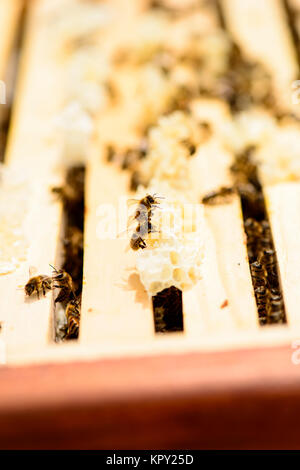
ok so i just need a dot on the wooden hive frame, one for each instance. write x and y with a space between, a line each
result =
178 390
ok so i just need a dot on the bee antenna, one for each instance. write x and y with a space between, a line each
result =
53 267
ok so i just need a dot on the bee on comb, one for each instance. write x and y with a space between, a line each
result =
143 215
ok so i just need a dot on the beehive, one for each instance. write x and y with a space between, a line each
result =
220 381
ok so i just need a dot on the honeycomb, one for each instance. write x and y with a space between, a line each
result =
74 126
278 157
171 144
86 80
174 252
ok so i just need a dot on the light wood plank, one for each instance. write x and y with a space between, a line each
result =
283 204
261 28
10 11
26 324
115 308
233 304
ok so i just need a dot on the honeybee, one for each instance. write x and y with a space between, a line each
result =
143 215
110 153
218 197
73 318
261 294
63 282
253 230
137 239
137 242
276 313
145 207
133 156
252 227
266 228
38 284
73 253
258 274
135 180
268 259
243 170
129 158
265 240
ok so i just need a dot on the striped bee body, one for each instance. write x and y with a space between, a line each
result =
73 318
258 274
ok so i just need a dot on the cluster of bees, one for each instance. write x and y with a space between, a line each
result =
263 266
261 253
68 279
128 159
72 196
243 84
61 280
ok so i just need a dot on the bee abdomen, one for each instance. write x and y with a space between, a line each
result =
73 326
64 295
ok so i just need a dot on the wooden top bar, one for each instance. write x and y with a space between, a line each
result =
261 29
9 15
26 324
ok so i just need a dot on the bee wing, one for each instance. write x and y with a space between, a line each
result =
32 271
155 196
123 233
132 201
130 221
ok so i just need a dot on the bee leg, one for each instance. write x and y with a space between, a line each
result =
38 294
44 289
62 296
